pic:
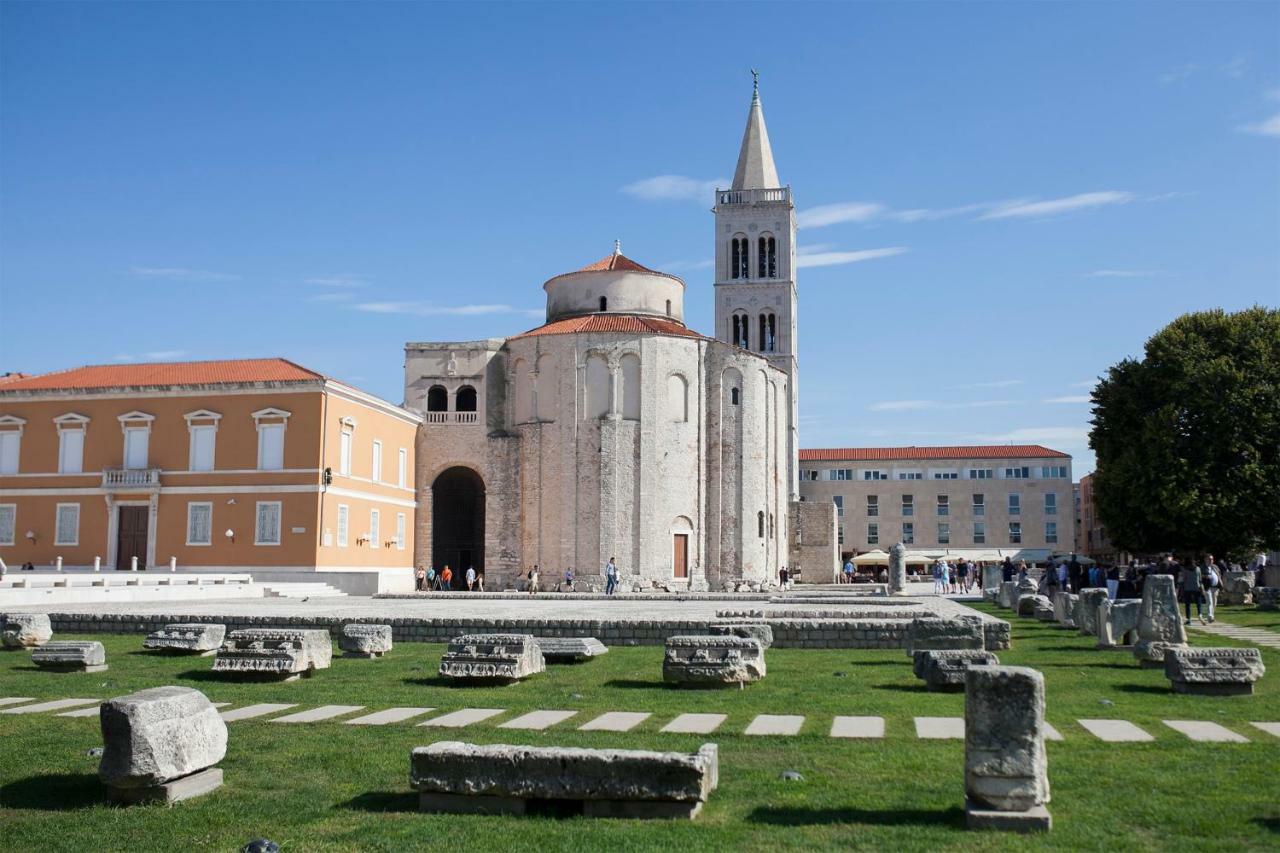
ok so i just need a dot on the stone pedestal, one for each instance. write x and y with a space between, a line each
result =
274 653
945 634
1117 623
898 569
1086 614
1213 672
751 630
1029 604
1064 609
1023 588
24 630
70 656
1237 588
571 649
196 638
365 641
1159 624
992 577
1007 595
945 670
1006 776
712 661
501 658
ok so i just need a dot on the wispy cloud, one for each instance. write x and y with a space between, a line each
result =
1057 206
1071 436
1121 273
924 214
158 355
1073 398
674 188
1267 127
1182 72
1087 383
831 259
426 309
338 280
832 214
677 266
330 297
921 405
998 383
182 273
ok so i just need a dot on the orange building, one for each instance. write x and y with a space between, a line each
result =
254 465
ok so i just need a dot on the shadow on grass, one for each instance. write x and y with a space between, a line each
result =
55 792
382 801
904 688
1084 648
1271 824
1086 665
636 684
1145 688
781 816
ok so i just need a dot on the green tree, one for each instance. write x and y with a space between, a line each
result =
1188 438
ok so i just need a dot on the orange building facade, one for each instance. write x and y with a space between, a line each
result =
254 465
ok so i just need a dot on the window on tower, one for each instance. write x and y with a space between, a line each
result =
739 257
741 329
768 333
604 303
768 256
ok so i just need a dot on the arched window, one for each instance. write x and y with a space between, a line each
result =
597 401
668 307
760 523
604 303
739 257
523 391
548 389
770 525
762 340
733 396
768 332
437 399
465 400
768 256
678 398
741 331
630 387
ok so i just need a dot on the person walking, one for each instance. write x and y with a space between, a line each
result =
533 580
962 575
848 571
446 578
431 581
1073 573
939 577
1189 584
782 578
420 579
610 577
1113 582
1006 570
568 579
471 578
1212 581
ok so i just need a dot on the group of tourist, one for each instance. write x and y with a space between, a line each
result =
533 578
427 579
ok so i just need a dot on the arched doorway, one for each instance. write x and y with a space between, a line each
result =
457 520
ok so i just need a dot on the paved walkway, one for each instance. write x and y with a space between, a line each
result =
765 725
1257 636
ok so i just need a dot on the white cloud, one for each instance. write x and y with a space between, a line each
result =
157 355
999 383
1121 273
426 309
830 259
330 297
1179 74
1269 127
182 273
677 266
832 214
1072 436
1052 207
924 214
1073 398
674 188
338 280
920 405
1088 383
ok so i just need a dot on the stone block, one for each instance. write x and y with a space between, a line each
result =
1006 768
365 641
1267 597
750 630
959 633
945 669
25 630
1008 589
195 638
1086 614
1064 609
1117 623
1237 588
499 779
489 658
1044 611
1159 624
70 656
571 649
1036 819
998 634
712 661
1029 604
992 577
159 745
274 653
1022 589
1218 672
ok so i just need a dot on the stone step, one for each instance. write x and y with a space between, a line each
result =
538 720
940 728
858 727
249 712
465 717
1205 731
15 700
51 705
1115 731
615 721
775 724
391 715
695 724
1270 728
315 715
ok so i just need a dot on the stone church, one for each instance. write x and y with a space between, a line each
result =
615 430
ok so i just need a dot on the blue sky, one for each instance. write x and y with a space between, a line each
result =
999 200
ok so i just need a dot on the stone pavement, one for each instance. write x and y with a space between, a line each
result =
1257 636
766 725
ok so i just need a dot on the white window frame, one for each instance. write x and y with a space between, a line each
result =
979 504
257 525
979 535
873 533
908 506
1051 532
344 525
874 474
344 452
376 462
1050 503
1015 503
57 524
908 538
191 505
192 426
12 510
71 422
402 530
838 500
873 506
944 533
263 431
135 422
982 474
1015 536
402 468
6 422
375 528
944 505
1022 472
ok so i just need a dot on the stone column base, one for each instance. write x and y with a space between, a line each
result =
196 785
1036 819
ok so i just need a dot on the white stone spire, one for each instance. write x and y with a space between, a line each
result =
755 161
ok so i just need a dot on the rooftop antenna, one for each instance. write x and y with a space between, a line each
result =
617 247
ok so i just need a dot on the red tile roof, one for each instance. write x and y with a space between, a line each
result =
11 377
890 454
164 374
625 323
615 261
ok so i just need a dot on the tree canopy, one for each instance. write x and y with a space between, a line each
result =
1188 438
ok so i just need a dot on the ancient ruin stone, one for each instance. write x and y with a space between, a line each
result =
1267 597
898 569
196 638
1006 770
1217 672
1021 589
1086 615
480 658
960 633
1044 610
500 779
1237 588
1007 595
1064 609
71 656
366 641
160 744
25 630
945 670
1028 604
992 577
712 661
997 634
274 653
751 630
1159 625
571 649
1117 623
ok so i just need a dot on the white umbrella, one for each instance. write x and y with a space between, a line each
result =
871 558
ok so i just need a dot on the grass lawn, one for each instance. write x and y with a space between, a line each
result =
329 786
1249 617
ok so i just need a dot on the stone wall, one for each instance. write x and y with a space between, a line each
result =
814 541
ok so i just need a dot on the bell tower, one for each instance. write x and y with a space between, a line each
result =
755 283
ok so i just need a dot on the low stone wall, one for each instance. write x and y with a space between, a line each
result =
787 633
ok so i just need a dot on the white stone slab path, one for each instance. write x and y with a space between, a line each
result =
858 727
1204 731
465 717
248 712
52 705
775 724
391 715
1050 733
15 700
940 728
695 724
1257 636
615 721
315 715
1270 728
538 720
1115 731
93 712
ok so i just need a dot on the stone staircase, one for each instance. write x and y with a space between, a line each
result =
299 590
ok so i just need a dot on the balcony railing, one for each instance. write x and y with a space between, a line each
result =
452 417
753 196
131 478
